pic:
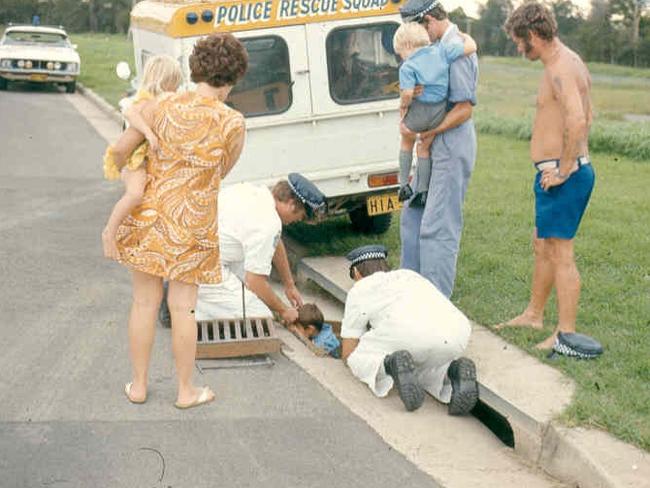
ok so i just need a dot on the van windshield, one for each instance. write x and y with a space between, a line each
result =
30 37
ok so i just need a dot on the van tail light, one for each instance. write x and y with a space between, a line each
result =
383 179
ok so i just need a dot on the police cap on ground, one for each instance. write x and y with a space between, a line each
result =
415 10
577 346
312 198
364 253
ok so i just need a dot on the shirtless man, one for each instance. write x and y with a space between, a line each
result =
565 176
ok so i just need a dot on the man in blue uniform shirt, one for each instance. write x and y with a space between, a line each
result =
431 235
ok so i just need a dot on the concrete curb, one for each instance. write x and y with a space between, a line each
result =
548 446
100 103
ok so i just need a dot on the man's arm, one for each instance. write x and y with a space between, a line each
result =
355 321
281 263
565 90
347 347
460 113
259 284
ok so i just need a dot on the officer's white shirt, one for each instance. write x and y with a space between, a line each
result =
406 312
249 228
249 231
399 302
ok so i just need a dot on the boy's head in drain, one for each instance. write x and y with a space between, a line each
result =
310 320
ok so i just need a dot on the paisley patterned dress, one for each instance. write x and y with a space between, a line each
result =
173 232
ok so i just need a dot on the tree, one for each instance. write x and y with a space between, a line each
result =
488 28
460 18
598 37
629 13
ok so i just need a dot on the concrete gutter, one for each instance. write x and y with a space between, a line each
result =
528 393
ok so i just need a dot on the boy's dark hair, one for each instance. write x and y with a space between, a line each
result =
370 266
282 192
531 17
218 60
310 314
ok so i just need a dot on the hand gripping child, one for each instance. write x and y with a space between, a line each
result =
161 74
426 65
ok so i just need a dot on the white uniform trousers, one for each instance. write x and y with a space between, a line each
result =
432 353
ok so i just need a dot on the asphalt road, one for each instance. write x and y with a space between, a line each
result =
64 421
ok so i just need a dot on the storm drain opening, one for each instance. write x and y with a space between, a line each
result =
230 338
493 420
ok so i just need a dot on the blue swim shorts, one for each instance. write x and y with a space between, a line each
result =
559 210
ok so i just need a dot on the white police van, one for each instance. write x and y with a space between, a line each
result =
320 95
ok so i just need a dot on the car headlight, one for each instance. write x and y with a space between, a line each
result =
57 65
5 63
21 63
72 67
50 65
28 64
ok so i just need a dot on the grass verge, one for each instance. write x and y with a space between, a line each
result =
495 268
99 54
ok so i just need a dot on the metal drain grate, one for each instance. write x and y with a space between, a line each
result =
230 338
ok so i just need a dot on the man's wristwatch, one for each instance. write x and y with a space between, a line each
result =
560 175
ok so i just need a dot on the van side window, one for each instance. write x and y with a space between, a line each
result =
361 63
266 86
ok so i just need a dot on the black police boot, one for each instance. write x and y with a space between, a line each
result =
405 192
401 367
464 387
419 200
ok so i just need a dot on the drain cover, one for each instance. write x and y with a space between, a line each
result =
230 338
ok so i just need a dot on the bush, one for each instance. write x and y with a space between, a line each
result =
624 138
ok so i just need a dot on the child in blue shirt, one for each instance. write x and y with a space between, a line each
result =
311 326
427 65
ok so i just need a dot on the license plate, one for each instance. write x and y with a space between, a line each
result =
37 77
382 204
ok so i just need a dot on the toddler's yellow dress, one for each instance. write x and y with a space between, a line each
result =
137 158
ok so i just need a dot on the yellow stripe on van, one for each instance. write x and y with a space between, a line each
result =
175 20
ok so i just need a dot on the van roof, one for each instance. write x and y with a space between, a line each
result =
184 18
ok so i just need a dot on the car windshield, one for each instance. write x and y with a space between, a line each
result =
36 38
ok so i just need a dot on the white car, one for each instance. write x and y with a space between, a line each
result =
38 54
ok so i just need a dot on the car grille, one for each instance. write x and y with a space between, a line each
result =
37 64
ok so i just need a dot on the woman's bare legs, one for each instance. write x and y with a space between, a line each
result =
182 301
147 294
134 182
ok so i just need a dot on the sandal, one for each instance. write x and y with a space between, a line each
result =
127 392
206 396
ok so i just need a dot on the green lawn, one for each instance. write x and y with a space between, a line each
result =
99 55
495 267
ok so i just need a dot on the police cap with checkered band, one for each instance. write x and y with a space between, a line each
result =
415 10
365 253
312 198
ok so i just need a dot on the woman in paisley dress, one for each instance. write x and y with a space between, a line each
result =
173 233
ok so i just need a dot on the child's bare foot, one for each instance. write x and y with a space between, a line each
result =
110 245
526 319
